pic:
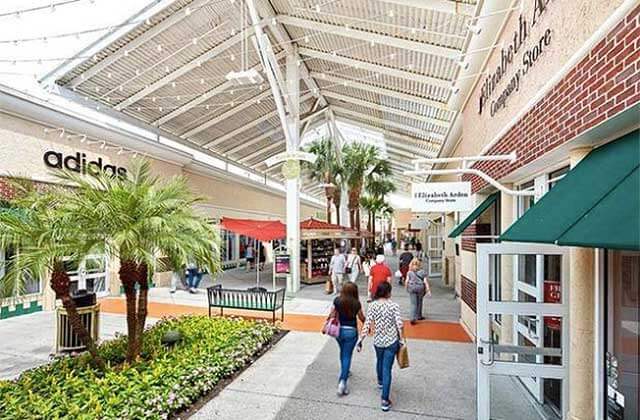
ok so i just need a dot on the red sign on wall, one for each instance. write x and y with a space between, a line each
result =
552 294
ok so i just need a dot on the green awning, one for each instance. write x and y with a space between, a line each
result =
474 215
597 204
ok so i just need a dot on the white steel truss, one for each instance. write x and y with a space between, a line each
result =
375 68
332 78
198 61
384 108
369 36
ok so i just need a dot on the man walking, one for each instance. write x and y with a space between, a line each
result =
336 270
404 260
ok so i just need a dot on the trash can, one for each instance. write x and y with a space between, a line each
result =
66 339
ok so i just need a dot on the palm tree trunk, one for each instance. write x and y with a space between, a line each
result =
143 281
328 209
128 275
373 225
337 215
78 327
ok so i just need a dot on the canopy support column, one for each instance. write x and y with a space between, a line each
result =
293 184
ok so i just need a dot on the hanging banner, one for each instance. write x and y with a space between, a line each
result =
441 197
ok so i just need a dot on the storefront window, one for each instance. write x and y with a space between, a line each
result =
622 335
30 285
90 273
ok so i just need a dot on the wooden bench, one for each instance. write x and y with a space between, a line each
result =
251 299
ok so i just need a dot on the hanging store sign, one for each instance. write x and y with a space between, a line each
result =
441 197
515 47
297 155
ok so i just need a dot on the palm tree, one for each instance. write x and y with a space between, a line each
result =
44 237
359 161
138 218
378 186
326 170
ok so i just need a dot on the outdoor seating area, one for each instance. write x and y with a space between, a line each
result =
255 299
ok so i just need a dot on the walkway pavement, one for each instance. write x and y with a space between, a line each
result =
297 380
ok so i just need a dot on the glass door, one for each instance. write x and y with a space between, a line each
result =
434 254
522 360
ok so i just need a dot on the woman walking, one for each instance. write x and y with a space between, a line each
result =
417 286
347 309
383 315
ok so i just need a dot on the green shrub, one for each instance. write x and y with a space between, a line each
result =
165 381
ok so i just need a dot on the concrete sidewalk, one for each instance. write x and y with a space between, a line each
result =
311 299
297 380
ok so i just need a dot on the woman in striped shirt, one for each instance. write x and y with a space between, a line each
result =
383 315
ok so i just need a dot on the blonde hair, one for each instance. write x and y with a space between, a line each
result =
415 264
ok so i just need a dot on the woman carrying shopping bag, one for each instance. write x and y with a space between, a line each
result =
417 286
383 316
345 312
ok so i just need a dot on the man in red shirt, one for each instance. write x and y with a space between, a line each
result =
379 273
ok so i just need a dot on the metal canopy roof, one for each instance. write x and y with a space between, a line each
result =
386 65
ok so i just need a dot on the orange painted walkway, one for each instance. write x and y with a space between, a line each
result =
425 330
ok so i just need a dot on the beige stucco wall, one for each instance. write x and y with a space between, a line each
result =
571 23
24 143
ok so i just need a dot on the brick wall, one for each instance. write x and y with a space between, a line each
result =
480 229
468 292
469 244
603 84
6 191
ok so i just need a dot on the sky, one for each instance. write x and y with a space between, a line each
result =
23 61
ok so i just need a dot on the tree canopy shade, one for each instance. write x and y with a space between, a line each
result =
597 204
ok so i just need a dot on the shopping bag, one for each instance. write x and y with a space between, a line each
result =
328 287
403 356
331 327
398 274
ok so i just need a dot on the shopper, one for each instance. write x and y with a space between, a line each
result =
394 246
347 309
249 255
194 277
383 316
336 270
404 261
262 257
354 265
378 274
417 285
419 249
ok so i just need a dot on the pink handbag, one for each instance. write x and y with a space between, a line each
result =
331 327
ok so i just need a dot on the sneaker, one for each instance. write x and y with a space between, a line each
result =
193 291
385 405
342 386
412 322
172 290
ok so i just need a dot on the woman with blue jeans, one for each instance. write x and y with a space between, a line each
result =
383 316
347 309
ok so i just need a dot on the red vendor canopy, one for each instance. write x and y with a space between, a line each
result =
312 223
262 230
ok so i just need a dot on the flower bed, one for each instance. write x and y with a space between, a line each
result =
165 382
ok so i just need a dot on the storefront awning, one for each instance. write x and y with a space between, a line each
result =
597 204
262 230
474 215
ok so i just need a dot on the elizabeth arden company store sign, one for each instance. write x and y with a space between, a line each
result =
441 197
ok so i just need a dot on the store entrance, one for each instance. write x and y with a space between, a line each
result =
622 335
522 331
